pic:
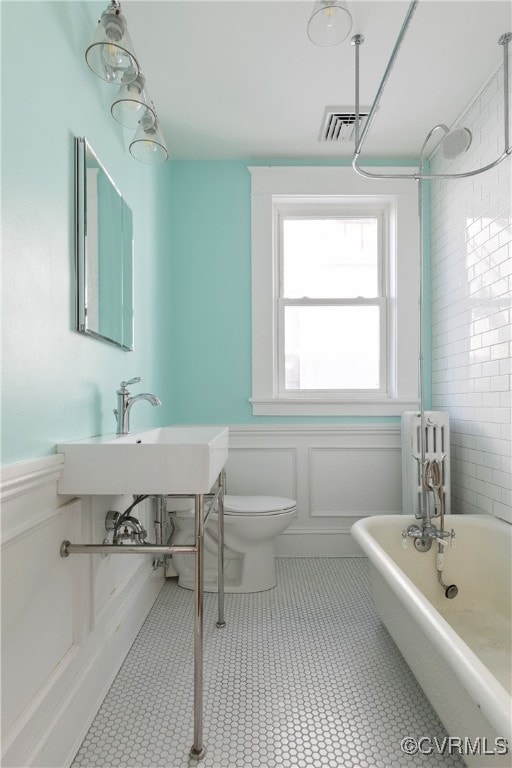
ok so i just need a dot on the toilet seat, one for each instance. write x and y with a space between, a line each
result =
250 506
259 505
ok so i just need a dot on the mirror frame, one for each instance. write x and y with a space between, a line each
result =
83 151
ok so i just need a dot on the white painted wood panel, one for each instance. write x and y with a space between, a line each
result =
338 474
352 482
66 624
39 601
269 471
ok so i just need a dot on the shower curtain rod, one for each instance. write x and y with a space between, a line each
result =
357 41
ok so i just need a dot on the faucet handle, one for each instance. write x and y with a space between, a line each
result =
125 384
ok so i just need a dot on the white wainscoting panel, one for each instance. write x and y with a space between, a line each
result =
349 482
337 474
278 467
40 603
67 623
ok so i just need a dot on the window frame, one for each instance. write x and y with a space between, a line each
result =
280 187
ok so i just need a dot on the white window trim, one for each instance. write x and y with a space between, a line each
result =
302 184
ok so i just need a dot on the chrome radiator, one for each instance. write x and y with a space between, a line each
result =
436 445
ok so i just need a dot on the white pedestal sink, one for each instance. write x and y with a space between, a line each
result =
167 460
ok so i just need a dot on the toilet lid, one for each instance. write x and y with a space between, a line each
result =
257 504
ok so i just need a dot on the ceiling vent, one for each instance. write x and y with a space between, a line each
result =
339 123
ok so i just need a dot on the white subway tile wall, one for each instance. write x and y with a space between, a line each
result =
471 278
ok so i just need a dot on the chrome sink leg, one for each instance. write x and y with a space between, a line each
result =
160 506
220 553
198 751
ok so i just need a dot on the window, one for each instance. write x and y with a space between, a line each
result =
335 262
331 315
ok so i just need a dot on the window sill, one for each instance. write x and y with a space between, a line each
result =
316 407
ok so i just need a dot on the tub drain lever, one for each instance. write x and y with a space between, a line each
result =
450 590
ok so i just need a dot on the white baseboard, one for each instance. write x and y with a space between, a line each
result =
317 543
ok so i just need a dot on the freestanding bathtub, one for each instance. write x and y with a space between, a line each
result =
460 649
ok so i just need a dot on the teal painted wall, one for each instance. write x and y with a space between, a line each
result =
211 291
211 294
192 256
57 384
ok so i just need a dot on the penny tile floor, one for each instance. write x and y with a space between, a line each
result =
302 676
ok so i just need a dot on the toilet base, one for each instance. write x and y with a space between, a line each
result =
255 571
251 525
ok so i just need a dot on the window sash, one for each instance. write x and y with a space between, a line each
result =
338 212
328 394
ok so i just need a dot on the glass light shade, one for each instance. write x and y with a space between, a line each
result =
110 54
132 102
148 145
329 23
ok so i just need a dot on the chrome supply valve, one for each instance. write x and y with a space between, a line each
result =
424 536
126 528
412 531
131 531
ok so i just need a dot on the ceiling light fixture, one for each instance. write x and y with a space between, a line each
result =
330 22
111 57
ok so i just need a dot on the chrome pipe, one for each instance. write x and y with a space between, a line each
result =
189 495
198 750
67 548
220 554
357 40
423 501
214 501
504 41
160 521
394 54
428 177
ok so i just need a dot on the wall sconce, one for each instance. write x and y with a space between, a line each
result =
111 57
148 145
132 102
110 54
330 22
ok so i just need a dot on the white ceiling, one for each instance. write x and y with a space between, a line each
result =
241 79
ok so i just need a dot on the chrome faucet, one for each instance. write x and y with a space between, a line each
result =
424 536
125 402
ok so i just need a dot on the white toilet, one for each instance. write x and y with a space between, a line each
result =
251 524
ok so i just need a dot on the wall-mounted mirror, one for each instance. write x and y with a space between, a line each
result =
104 252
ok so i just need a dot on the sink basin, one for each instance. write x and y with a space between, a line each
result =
157 461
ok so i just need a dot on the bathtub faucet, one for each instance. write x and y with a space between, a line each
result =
424 536
125 402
